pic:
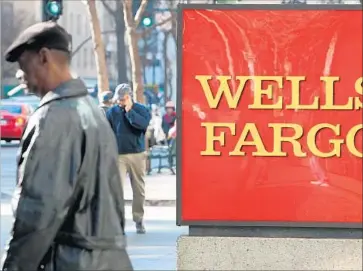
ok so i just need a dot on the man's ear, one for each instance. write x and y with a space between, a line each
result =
44 55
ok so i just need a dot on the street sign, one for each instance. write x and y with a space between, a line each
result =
270 108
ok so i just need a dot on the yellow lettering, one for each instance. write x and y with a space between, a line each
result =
250 128
311 140
279 139
211 137
295 95
224 89
259 92
359 89
329 95
351 140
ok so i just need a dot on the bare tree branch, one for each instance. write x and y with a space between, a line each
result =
140 12
108 8
129 19
149 29
79 47
99 47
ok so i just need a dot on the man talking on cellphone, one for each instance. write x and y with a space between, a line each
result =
129 121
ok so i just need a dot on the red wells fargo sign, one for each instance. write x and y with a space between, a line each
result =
271 116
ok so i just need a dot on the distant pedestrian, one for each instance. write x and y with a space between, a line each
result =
19 75
155 126
169 117
172 132
129 121
70 209
106 101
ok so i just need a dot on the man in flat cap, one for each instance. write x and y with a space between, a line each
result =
70 209
129 121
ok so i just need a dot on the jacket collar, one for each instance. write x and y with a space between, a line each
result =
71 88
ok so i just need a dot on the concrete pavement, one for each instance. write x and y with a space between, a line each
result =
8 169
156 250
160 190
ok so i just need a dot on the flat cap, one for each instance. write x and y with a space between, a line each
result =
121 90
106 96
41 35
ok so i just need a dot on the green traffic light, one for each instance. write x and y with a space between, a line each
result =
54 8
146 21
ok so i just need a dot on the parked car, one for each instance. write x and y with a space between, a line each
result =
14 116
31 100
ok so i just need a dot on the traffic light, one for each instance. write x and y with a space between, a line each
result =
52 9
147 19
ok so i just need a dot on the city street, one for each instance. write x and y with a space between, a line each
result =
153 251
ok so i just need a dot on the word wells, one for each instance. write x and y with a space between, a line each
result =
269 94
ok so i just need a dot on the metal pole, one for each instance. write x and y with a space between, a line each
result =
145 60
44 15
154 72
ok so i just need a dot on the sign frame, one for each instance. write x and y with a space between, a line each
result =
179 177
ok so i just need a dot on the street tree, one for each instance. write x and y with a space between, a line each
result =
167 14
115 10
133 35
131 24
99 48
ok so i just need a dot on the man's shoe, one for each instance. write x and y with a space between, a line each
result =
140 228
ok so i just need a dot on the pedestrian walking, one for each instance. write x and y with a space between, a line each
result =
106 101
155 126
70 210
129 121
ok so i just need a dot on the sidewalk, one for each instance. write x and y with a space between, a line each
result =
155 250
160 190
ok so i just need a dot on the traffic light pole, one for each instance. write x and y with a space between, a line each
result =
44 13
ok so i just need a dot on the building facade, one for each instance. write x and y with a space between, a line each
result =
22 13
15 17
76 21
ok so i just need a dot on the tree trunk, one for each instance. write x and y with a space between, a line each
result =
132 43
166 65
121 48
136 68
99 48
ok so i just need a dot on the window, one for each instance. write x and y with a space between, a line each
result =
79 24
85 58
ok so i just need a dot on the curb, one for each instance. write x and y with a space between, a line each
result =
148 202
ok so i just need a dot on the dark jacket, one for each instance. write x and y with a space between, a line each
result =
70 213
129 127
